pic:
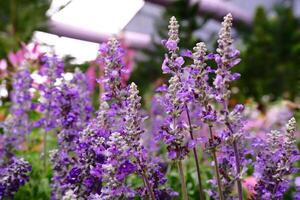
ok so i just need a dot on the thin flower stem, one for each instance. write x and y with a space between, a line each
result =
182 180
146 182
237 163
216 165
202 195
148 186
45 150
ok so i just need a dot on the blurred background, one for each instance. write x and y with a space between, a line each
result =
266 32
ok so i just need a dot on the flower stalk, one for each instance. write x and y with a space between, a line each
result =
237 163
213 151
202 195
182 180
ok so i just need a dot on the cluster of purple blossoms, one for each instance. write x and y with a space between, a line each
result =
110 147
174 97
275 163
96 158
72 100
14 171
53 69
202 92
13 174
94 139
18 123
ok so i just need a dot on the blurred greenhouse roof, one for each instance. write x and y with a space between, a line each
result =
84 23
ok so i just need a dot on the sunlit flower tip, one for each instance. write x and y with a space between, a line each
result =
225 39
290 139
291 125
273 138
113 43
173 29
199 53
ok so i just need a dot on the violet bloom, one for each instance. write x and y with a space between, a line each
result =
96 148
147 167
14 171
275 163
73 103
18 124
172 62
111 54
173 130
13 175
113 176
226 58
53 69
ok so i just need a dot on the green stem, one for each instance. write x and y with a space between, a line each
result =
216 165
182 180
146 182
148 186
45 150
202 195
237 163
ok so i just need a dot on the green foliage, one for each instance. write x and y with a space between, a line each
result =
38 187
19 18
148 70
270 61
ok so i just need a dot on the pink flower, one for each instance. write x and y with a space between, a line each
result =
249 183
3 68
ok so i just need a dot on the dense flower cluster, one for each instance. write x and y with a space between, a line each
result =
98 157
18 123
14 171
12 176
110 146
200 91
72 100
275 164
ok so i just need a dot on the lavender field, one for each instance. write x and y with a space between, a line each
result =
91 132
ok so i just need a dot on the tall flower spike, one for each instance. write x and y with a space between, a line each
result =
133 130
199 74
226 58
133 120
225 40
173 40
290 139
172 95
199 55
112 56
21 99
173 29
273 138
275 164
73 112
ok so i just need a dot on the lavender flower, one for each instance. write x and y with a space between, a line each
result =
111 54
147 167
14 171
226 58
172 62
274 164
74 108
53 69
96 143
18 124
13 175
173 130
